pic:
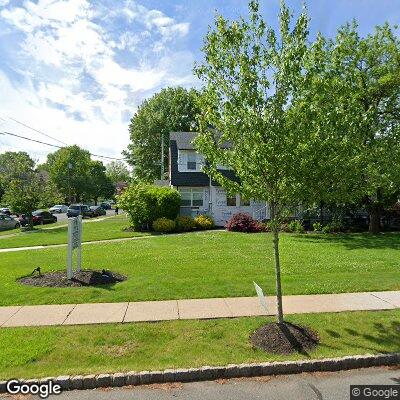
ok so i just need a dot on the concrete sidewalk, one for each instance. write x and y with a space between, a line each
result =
101 313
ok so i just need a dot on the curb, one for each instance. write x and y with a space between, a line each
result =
211 373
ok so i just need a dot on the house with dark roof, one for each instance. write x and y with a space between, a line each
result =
199 193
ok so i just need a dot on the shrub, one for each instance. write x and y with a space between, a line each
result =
296 226
164 225
204 222
184 224
146 203
264 226
335 226
317 226
242 222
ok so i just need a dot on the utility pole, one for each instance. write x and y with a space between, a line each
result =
69 183
162 157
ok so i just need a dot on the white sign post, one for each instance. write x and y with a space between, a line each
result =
74 242
261 297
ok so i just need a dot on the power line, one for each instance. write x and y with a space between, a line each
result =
36 130
54 145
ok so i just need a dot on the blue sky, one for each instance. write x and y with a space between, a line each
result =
78 69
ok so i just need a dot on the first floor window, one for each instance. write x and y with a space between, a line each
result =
244 202
192 197
231 201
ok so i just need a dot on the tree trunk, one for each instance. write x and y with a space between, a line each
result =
278 275
374 220
95 201
321 213
275 231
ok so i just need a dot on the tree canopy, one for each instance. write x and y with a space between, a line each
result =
117 172
172 109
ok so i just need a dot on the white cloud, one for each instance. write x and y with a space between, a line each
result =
76 84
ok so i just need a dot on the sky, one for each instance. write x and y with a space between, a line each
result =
77 70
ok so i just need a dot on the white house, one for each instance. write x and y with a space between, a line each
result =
199 193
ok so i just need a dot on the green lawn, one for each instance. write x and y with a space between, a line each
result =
93 229
212 264
52 351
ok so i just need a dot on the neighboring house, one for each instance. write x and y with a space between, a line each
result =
200 194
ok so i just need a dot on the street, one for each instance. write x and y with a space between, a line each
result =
63 217
307 386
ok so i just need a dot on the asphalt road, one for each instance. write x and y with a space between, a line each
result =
318 386
63 217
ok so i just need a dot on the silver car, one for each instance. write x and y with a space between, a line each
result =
58 209
7 222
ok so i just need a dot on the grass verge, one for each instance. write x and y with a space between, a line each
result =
211 264
52 351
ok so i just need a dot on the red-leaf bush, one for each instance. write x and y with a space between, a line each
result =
242 222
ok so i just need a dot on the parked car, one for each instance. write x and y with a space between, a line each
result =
97 211
7 222
105 205
58 209
79 209
39 217
5 211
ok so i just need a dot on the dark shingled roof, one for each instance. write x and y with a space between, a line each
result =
183 139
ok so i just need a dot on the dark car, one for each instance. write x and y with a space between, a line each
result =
39 217
105 205
79 209
97 211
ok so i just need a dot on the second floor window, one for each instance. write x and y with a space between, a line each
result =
191 161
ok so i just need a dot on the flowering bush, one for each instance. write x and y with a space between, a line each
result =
204 222
163 225
242 222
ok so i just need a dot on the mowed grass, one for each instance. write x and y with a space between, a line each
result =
212 264
102 228
53 351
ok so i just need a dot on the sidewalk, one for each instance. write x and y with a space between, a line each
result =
101 313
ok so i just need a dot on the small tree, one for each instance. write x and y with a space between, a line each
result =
23 195
255 83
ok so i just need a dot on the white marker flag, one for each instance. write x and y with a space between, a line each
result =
261 297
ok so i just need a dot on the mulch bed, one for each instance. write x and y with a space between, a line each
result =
83 278
284 338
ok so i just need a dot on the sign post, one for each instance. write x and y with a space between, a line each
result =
261 298
74 242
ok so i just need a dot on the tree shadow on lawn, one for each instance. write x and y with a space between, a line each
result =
353 241
388 334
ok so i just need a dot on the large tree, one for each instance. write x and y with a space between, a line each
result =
69 169
172 109
255 83
100 185
117 172
368 86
